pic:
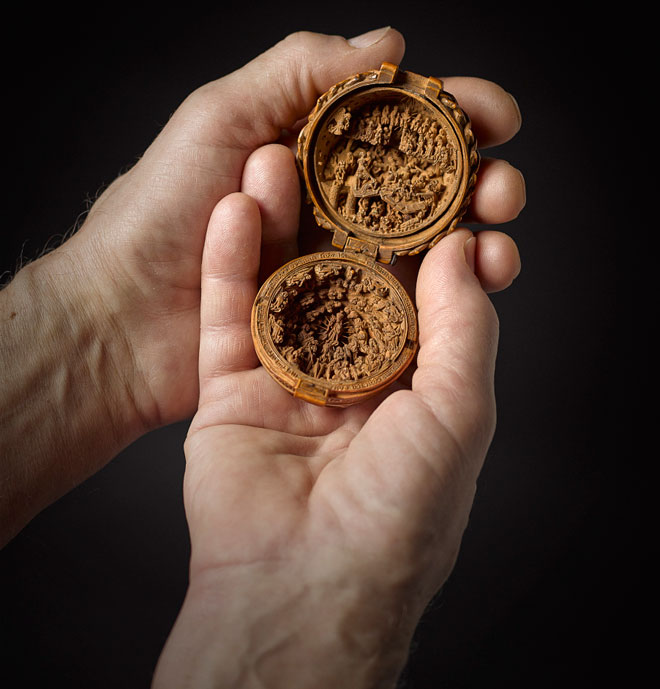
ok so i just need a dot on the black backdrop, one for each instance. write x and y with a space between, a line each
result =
89 590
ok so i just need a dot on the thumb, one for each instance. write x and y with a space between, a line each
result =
251 106
198 157
281 86
458 342
288 79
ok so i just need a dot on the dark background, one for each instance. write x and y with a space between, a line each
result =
550 561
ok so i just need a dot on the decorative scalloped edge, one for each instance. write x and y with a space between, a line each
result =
460 117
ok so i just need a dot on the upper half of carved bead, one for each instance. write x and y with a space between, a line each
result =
389 158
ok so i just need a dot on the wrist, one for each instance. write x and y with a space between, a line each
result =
84 315
66 406
268 624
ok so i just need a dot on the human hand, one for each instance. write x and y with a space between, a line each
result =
101 336
319 535
145 234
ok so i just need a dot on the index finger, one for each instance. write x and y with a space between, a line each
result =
493 111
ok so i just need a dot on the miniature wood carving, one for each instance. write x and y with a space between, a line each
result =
336 321
334 327
388 168
390 162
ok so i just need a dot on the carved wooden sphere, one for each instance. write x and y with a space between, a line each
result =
389 161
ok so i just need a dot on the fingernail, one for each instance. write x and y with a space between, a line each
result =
470 250
366 39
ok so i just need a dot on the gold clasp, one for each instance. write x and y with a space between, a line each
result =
310 392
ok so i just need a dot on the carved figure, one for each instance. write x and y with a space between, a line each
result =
341 121
387 168
335 322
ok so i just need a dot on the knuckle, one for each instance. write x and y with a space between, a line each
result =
202 99
308 42
297 43
298 38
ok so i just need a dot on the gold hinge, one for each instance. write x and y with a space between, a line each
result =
433 87
388 72
342 240
310 392
359 246
339 238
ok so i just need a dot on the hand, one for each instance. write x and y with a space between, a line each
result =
147 230
101 337
319 535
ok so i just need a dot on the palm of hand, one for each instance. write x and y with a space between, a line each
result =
304 519
272 479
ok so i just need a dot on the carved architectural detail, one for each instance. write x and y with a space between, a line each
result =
336 321
389 167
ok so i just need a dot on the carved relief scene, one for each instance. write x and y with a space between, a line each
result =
389 167
336 321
